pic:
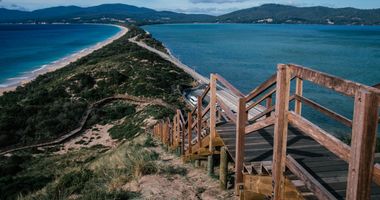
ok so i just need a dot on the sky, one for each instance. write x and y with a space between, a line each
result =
214 7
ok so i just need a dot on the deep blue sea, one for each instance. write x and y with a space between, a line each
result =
247 54
25 48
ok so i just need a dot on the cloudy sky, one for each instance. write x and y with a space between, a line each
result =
189 6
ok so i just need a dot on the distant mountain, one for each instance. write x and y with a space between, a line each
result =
268 13
101 13
275 13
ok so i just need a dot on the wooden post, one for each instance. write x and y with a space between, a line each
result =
299 90
210 163
212 112
189 131
160 125
223 168
199 121
240 142
280 131
174 131
269 104
363 144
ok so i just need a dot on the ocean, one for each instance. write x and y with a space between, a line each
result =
247 54
26 48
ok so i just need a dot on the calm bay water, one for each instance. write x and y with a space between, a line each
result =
25 48
247 54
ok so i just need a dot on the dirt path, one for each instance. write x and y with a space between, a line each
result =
125 97
193 185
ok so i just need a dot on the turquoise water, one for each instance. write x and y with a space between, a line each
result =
247 54
25 48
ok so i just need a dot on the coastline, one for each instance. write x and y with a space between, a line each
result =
30 76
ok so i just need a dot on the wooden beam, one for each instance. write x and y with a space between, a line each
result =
261 88
299 90
212 111
227 110
311 183
207 89
281 131
261 99
223 168
262 114
376 173
268 104
337 84
240 142
189 131
362 146
332 143
199 120
229 86
260 125
324 110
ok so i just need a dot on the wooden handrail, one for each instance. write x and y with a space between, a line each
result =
335 83
207 89
261 99
229 86
259 125
227 110
261 88
325 110
205 111
333 144
377 86
262 114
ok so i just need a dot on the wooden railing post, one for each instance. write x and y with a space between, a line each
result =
199 120
212 111
160 125
362 146
189 131
269 104
242 116
299 91
174 131
280 131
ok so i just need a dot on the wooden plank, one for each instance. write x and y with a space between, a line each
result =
261 88
199 120
333 144
252 105
260 125
337 84
362 146
324 110
212 111
299 90
310 182
240 135
205 111
376 173
228 85
280 131
189 131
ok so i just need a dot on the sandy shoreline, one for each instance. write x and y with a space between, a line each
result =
62 62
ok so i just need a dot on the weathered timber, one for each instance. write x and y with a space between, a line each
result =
240 134
280 131
299 90
363 145
223 167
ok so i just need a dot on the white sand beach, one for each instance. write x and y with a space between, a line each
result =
62 62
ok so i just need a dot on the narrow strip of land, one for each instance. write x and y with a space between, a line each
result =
226 96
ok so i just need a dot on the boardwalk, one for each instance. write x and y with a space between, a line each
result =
277 144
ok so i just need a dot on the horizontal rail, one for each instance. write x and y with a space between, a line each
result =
229 86
261 88
337 84
325 110
262 114
319 191
227 111
333 144
259 125
205 111
261 99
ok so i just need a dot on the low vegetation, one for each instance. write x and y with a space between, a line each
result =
54 103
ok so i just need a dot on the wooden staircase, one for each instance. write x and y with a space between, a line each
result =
277 153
